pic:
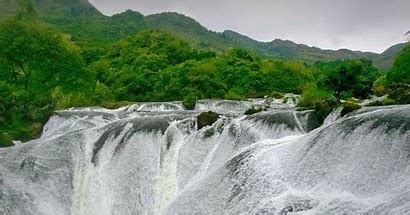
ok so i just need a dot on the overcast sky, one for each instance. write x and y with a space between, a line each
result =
367 25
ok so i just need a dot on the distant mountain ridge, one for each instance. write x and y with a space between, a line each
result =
386 59
289 50
88 26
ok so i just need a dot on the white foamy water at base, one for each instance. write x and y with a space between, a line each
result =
150 159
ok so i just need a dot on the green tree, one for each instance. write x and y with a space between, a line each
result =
400 73
351 78
35 61
398 79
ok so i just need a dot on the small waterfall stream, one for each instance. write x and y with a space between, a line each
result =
149 158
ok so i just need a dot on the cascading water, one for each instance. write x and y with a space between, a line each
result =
150 159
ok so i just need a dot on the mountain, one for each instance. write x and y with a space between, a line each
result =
386 59
286 49
52 9
189 29
7 7
89 27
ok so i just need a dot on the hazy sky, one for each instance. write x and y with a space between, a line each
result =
367 25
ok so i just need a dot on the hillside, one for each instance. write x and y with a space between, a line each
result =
7 7
385 60
286 49
89 27
190 29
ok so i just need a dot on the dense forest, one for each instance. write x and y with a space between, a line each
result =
43 69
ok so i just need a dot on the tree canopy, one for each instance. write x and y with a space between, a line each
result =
36 62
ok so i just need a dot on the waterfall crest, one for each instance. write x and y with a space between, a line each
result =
149 158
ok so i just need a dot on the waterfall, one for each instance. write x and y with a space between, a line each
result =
167 184
149 158
333 116
224 106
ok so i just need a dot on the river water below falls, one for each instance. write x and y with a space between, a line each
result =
150 159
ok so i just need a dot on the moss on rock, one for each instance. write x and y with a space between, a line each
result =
277 95
349 107
6 140
115 105
207 118
254 110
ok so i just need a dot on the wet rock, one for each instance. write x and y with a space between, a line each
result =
308 120
349 107
272 118
255 109
298 206
207 118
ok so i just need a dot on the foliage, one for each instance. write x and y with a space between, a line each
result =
189 101
398 79
90 28
156 66
349 78
349 107
314 95
400 94
30 75
400 73
277 95
322 101
380 86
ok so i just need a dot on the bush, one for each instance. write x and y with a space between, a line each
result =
277 95
323 102
63 100
379 86
389 102
234 94
312 96
190 101
115 105
400 94
6 140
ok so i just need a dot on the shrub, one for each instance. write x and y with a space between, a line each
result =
5 139
312 96
234 94
400 94
323 102
277 95
190 101
389 102
379 86
115 105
